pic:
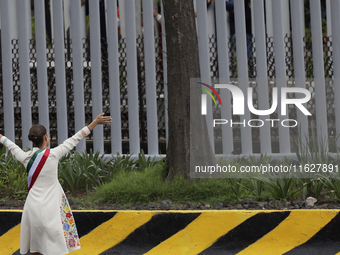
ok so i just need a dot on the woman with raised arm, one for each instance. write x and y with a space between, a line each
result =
47 223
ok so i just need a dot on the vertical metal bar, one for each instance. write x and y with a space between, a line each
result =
67 15
83 21
150 77
114 81
138 16
203 45
165 77
242 67
280 70
262 77
60 77
25 84
131 55
319 73
222 31
329 17
40 35
13 19
285 11
29 20
211 25
52 20
78 85
298 26
269 18
96 70
335 6
7 73
122 17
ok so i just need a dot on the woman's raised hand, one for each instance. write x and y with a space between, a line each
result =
101 119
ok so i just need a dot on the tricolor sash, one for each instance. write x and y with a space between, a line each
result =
35 165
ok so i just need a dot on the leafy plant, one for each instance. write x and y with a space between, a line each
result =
334 185
122 163
144 163
83 170
281 188
235 185
13 177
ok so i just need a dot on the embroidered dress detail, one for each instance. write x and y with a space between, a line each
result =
35 165
69 226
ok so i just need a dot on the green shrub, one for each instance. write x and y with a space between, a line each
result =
84 170
13 176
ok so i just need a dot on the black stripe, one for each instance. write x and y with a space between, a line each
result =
324 242
9 220
246 233
159 228
87 221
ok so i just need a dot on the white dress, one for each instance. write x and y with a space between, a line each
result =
47 223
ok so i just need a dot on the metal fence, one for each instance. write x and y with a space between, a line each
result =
297 57
126 77
87 90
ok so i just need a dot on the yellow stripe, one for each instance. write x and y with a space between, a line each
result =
295 230
201 233
112 232
10 241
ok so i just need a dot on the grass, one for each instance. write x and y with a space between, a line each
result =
149 185
123 180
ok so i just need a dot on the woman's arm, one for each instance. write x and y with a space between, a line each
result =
70 143
16 151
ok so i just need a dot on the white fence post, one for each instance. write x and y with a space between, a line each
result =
7 73
319 73
222 31
96 78
78 69
262 77
335 6
40 35
132 81
150 77
25 77
242 68
114 81
60 77
280 71
203 45
298 27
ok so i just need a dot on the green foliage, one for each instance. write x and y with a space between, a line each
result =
144 163
334 185
122 163
149 185
84 170
280 188
13 176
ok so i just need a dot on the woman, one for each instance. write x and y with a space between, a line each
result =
47 223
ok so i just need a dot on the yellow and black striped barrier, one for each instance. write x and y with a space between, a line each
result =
194 232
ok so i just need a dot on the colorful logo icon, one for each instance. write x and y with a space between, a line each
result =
213 90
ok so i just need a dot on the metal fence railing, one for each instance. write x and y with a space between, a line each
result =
126 76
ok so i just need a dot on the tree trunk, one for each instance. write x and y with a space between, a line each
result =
183 64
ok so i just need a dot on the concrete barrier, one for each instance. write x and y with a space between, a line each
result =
194 232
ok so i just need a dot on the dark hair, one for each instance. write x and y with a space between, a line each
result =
36 135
